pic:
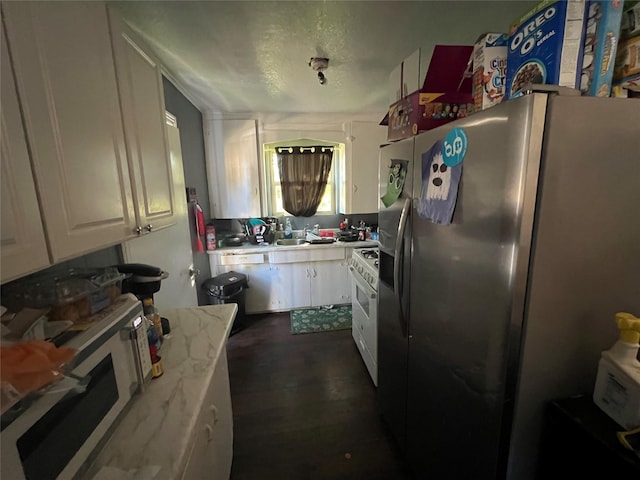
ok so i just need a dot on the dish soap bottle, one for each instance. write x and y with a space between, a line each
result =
617 389
288 232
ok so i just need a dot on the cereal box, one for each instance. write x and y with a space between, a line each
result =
489 70
600 40
627 68
545 46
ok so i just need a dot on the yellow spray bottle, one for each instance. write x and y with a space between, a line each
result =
617 389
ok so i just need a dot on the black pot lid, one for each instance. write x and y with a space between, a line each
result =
142 272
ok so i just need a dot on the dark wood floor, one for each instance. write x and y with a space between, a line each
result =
304 407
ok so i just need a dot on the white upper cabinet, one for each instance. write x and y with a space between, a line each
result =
233 168
62 58
362 167
142 103
24 248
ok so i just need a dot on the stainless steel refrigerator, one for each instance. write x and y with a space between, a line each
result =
484 320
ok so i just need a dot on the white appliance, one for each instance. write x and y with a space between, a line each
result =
53 435
363 268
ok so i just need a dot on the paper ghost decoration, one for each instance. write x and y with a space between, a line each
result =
439 186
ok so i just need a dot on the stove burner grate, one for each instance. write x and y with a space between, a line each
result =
369 254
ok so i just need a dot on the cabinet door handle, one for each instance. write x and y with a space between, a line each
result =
315 273
149 227
209 430
137 230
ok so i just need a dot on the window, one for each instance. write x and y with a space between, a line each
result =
329 202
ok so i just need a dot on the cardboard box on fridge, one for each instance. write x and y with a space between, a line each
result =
489 69
601 35
446 94
545 46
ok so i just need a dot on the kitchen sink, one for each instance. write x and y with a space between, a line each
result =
288 242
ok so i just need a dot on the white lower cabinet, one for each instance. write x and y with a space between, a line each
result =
258 295
322 272
272 288
288 279
290 287
212 450
330 283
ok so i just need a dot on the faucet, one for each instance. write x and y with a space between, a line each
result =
307 229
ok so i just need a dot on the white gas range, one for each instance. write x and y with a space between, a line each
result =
363 267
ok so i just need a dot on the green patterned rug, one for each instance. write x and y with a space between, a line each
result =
311 320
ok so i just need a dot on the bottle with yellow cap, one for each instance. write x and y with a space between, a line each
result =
151 312
617 389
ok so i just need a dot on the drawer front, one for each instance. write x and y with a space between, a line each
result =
250 258
370 363
306 255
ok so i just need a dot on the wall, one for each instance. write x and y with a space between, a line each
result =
194 164
225 227
280 127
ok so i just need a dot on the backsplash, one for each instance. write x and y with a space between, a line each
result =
230 226
102 258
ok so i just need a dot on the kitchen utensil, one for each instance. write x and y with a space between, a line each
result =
348 236
259 231
256 221
144 279
320 241
234 241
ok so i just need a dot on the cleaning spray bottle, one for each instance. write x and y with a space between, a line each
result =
617 389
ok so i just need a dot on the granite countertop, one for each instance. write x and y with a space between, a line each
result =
249 248
153 437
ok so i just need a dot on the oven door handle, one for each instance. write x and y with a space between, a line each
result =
362 284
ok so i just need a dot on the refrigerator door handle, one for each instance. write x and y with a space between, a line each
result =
399 260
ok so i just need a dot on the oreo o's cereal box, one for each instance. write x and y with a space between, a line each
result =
545 46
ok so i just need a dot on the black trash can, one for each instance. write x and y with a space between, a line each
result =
228 288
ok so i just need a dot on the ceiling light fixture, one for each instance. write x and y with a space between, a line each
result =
319 65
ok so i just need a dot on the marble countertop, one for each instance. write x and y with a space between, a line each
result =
249 248
153 437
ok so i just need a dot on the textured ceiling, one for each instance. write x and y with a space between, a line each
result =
248 56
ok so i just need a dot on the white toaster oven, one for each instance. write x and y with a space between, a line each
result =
53 435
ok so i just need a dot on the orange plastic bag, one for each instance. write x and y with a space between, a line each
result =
29 366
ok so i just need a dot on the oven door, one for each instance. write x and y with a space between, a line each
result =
364 315
54 437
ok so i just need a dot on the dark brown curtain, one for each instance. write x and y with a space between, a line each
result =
303 176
